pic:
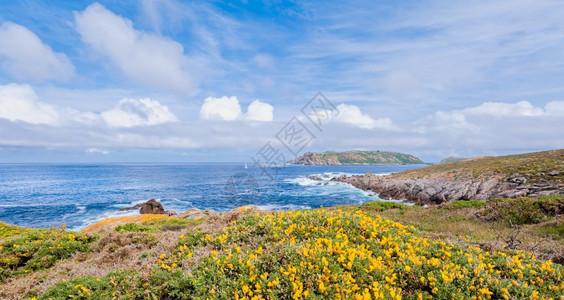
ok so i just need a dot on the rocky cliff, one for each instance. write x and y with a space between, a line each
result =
532 174
356 157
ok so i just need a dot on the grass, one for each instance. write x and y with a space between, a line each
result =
379 206
554 231
322 253
537 166
467 204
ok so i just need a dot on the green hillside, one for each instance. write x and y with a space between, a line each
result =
357 157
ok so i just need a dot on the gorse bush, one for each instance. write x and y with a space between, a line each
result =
38 249
524 210
325 254
154 225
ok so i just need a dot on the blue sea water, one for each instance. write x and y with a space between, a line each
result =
42 195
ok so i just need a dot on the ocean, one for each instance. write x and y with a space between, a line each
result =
76 195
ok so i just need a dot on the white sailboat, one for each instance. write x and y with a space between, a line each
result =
246 167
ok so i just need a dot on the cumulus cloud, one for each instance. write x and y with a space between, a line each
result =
352 115
229 109
20 103
141 112
146 123
143 57
480 119
501 109
25 57
260 111
224 108
555 108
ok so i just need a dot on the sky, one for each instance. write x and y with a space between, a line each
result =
196 81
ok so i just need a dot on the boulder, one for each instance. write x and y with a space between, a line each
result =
152 206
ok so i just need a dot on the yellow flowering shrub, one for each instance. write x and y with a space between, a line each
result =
35 249
320 254
336 254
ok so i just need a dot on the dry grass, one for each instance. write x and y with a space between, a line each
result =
538 165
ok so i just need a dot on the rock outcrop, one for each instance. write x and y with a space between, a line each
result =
533 174
152 206
196 214
439 190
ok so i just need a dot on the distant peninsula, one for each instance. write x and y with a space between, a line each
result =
356 157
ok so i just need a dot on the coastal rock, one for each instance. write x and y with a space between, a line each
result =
195 214
152 206
315 177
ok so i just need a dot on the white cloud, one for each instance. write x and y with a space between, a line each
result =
224 108
501 109
480 120
144 57
229 109
142 112
351 114
453 122
260 111
25 57
555 108
20 103
97 151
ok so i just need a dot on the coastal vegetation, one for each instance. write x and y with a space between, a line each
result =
376 250
356 157
511 176
534 167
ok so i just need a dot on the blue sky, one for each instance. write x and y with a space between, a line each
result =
164 80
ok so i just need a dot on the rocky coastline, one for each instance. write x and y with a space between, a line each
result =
438 190
480 179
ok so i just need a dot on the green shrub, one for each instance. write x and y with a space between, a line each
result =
39 249
467 203
523 210
134 227
155 225
382 206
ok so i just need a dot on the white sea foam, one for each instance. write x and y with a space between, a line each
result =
110 214
282 206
